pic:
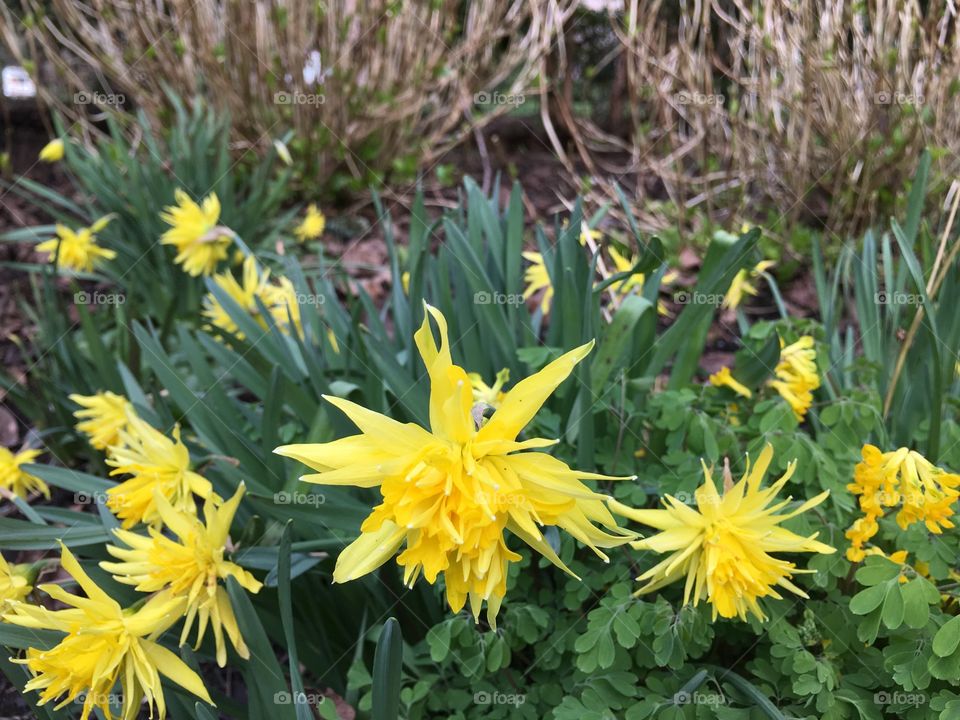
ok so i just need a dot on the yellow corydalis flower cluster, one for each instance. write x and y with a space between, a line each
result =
199 241
902 477
17 481
279 298
450 493
722 548
188 566
104 643
797 375
723 378
78 249
490 395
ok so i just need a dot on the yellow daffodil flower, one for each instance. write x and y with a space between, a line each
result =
924 492
486 394
451 492
102 417
53 151
156 463
722 547
797 376
104 643
537 279
199 241
723 378
15 583
742 284
189 565
77 249
278 297
16 480
313 224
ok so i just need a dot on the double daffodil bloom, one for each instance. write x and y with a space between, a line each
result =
78 249
537 278
313 224
15 583
279 298
722 547
102 417
189 566
450 493
199 241
17 480
104 644
156 464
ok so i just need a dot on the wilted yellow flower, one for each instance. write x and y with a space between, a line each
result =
103 415
190 566
104 643
19 481
797 375
451 492
77 249
279 298
156 464
742 284
537 279
723 378
924 492
199 241
15 583
313 224
53 151
722 548
486 394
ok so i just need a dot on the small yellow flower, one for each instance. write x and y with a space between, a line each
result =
405 282
15 583
199 241
486 394
797 375
451 492
722 547
104 643
723 378
103 415
279 298
78 249
902 477
156 464
537 279
16 480
332 339
191 567
312 226
53 151
742 284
